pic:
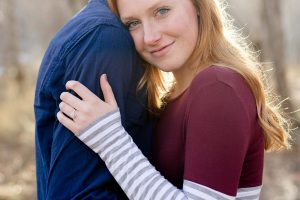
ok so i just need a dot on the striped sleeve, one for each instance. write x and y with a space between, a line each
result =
134 173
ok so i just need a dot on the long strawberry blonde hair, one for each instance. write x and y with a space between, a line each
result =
219 43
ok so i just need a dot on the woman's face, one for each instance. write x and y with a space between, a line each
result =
164 31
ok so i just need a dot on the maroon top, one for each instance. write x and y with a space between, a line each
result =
210 134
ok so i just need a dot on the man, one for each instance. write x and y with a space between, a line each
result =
92 43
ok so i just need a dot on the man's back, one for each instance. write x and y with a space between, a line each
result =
92 43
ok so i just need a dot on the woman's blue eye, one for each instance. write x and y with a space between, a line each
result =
162 11
132 25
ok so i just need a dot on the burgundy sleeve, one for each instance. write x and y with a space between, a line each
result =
217 137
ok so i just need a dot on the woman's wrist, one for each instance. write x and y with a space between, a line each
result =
103 127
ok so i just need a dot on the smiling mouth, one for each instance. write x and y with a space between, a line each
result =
161 51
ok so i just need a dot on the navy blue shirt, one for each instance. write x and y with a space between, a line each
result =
93 42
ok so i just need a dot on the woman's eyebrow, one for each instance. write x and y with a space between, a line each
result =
125 19
149 9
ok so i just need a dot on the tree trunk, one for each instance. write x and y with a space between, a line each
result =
274 50
11 41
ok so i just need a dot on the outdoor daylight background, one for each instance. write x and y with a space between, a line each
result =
27 26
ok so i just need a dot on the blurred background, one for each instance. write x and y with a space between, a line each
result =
26 28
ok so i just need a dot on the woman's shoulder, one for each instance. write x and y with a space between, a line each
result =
219 85
218 78
219 75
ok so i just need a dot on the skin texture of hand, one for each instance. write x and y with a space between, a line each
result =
82 112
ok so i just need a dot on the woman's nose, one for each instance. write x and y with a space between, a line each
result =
151 34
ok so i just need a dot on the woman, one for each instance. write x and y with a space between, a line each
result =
214 121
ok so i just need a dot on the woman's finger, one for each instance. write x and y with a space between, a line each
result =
81 90
68 123
71 100
68 110
107 91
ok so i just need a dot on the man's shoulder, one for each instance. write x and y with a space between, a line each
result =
84 33
93 17
95 13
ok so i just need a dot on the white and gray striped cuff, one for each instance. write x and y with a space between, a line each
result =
251 193
102 132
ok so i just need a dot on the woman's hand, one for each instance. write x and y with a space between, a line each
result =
82 113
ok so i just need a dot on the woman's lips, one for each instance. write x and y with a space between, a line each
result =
162 51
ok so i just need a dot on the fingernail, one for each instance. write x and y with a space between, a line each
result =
69 84
105 76
58 115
